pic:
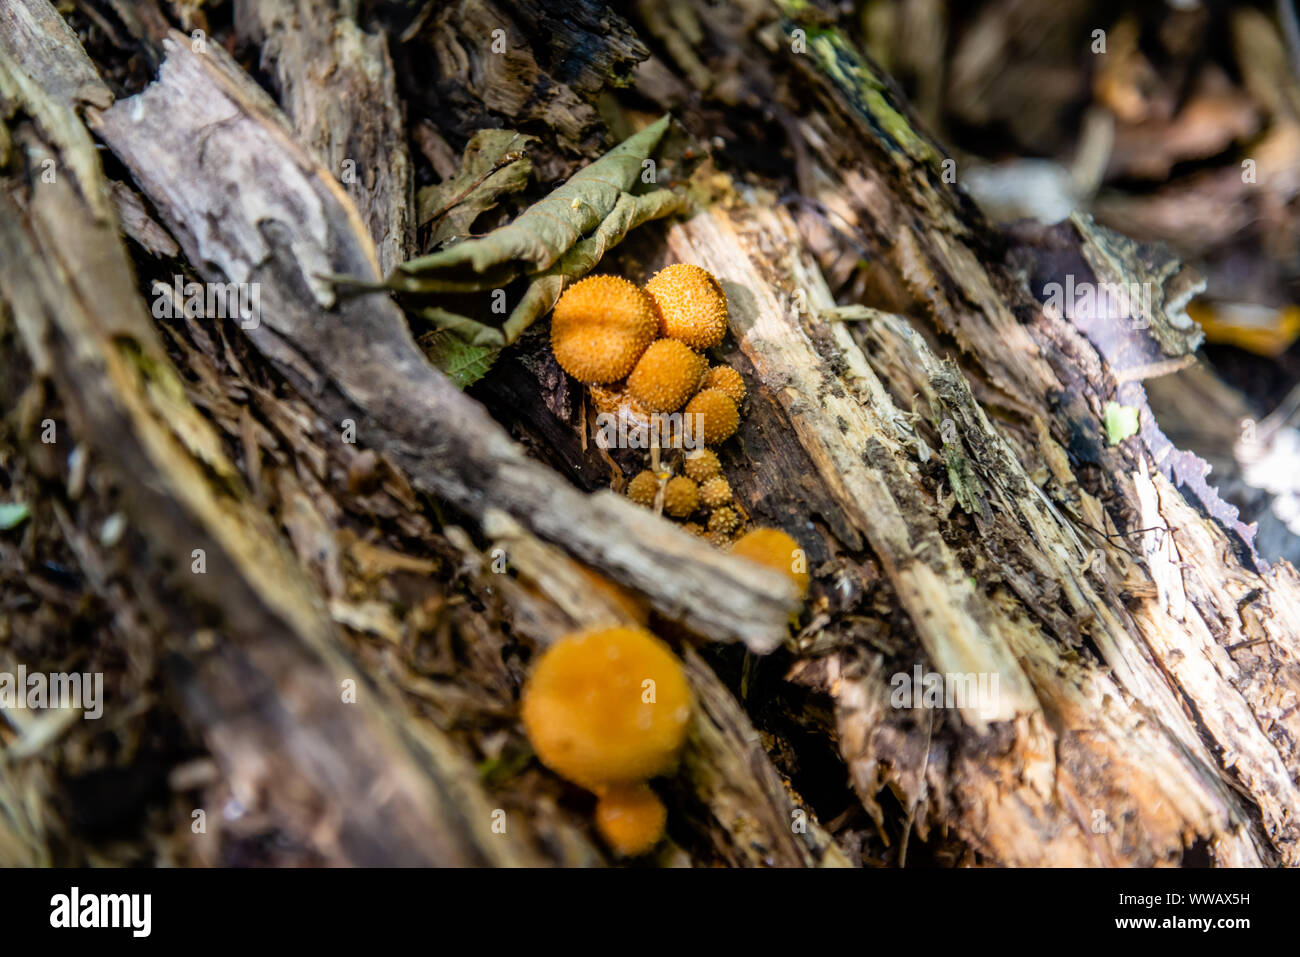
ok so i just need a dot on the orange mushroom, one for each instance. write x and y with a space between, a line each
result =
715 493
667 374
719 416
681 497
775 549
607 706
630 818
702 465
600 328
643 488
692 306
728 380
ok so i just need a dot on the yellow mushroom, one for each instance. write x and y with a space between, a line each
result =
692 306
607 706
719 418
667 374
600 328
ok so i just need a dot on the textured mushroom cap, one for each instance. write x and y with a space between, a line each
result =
703 464
723 521
643 488
692 306
728 380
630 818
775 549
600 328
666 375
715 492
681 497
720 416
590 714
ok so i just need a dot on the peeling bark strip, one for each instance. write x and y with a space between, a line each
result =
249 205
341 778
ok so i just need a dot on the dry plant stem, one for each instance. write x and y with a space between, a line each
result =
344 778
189 140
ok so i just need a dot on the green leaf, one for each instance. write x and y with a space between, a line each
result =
1121 422
13 514
463 362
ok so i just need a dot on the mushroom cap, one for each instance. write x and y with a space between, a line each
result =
681 497
702 465
643 488
720 416
630 818
607 706
666 375
723 521
600 327
728 380
775 549
715 492
692 306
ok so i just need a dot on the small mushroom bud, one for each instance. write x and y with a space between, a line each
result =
630 818
728 380
681 497
703 464
720 418
643 488
715 493
723 521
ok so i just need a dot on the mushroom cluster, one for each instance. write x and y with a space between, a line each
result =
640 353
608 709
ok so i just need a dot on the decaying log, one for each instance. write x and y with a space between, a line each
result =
930 432
344 777
354 356
867 452
337 88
